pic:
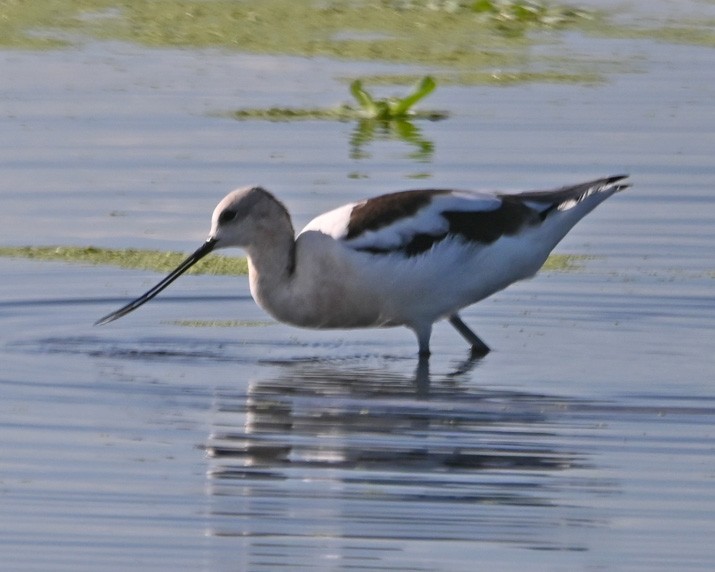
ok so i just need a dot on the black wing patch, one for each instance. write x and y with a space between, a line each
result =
381 211
486 227
515 213
483 227
418 244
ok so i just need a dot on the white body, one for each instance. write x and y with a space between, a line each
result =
338 282
335 286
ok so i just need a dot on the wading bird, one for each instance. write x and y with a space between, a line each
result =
409 258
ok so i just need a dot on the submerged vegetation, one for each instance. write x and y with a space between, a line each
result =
161 261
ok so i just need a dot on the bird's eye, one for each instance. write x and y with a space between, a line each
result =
226 216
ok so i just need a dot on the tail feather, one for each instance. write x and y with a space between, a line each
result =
565 198
577 192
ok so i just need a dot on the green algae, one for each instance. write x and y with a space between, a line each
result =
565 262
156 260
516 17
163 261
221 323
688 32
472 37
340 113
448 35
388 118
500 77
348 29
26 24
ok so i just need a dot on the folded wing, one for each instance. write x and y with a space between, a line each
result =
411 222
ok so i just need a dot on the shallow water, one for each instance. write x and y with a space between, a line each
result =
584 441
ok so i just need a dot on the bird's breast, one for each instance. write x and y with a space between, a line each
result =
327 289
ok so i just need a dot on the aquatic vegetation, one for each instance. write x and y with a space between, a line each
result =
342 113
565 262
385 119
694 32
156 260
392 107
428 33
474 36
515 17
163 261
388 118
508 16
338 28
387 109
221 323
22 24
499 77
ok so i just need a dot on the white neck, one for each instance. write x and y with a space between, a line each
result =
271 266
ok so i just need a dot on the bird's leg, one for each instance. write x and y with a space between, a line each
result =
479 348
422 378
423 336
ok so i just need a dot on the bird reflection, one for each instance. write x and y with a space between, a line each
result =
317 447
317 416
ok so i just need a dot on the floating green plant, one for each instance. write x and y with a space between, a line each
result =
387 119
515 17
392 107
161 261
221 323
342 113
428 32
156 260
387 109
497 77
565 262
469 35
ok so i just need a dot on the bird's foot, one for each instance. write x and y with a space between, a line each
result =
478 351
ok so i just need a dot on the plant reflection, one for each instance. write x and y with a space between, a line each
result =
369 130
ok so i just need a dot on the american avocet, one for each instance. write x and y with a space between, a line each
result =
403 259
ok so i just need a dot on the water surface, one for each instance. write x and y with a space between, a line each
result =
584 441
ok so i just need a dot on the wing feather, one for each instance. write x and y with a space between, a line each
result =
411 222
408 220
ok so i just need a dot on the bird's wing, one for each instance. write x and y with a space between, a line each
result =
411 222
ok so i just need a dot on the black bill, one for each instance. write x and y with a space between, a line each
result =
202 251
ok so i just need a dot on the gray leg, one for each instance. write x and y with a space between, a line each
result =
422 378
423 336
479 348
